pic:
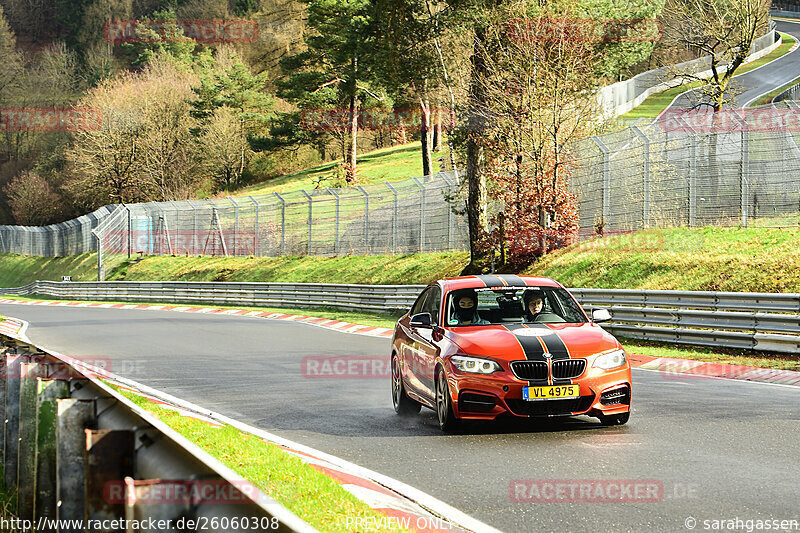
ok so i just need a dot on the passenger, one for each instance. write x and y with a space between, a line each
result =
465 310
533 306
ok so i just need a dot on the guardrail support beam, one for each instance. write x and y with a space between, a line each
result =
73 418
49 390
26 465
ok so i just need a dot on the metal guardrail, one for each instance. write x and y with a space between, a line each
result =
75 449
755 321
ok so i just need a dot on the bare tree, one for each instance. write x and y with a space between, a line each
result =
722 29
539 93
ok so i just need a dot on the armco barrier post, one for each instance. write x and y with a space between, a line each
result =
26 465
45 501
73 418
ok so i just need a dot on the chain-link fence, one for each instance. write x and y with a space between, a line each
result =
678 171
413 215
67 238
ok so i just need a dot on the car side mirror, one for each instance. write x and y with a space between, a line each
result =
421 320
601 315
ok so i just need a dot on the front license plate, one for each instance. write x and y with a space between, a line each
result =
557 392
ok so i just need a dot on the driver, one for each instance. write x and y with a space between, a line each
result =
465 307
533 306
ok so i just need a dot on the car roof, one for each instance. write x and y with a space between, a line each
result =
496 280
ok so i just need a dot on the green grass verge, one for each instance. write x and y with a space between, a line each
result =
314 497
377 269
387 164
658 102
705 259
17 270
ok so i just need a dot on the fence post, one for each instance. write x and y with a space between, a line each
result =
283 222
336 236
645 175
452 190
421 214
366 218
215 218
745 176
692 185
310 219
256 242
235 224
129 228
606 196
195 232
394 216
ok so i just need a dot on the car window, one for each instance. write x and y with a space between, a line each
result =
431 304
513 305
419 304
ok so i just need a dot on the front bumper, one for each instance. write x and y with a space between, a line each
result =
485 397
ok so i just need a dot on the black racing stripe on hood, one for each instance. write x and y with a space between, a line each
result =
491 281
556 346
513 280
530 345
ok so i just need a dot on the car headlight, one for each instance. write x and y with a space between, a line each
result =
607 361
474 365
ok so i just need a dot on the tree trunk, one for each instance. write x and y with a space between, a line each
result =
475 154
352 156
425 138
437 130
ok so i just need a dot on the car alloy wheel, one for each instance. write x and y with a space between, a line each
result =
403 405
444 408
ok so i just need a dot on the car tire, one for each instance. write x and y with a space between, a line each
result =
403 405
444 406
615 420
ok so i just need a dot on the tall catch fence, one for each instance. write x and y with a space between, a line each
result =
72 237
681 170
408 216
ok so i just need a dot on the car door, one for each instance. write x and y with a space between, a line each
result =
410 351
427 348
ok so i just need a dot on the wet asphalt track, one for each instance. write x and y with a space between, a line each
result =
760 81
722 449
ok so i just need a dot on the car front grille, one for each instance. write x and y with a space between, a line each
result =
529 370
537 370
550 407
568 368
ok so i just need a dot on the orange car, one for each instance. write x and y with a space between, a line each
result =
478 347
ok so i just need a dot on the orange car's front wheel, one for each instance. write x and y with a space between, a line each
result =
444 406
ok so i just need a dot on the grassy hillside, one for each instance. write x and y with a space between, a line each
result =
388 164
381 269
724 259
721 259
17 270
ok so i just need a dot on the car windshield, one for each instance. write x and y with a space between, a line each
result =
521 305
